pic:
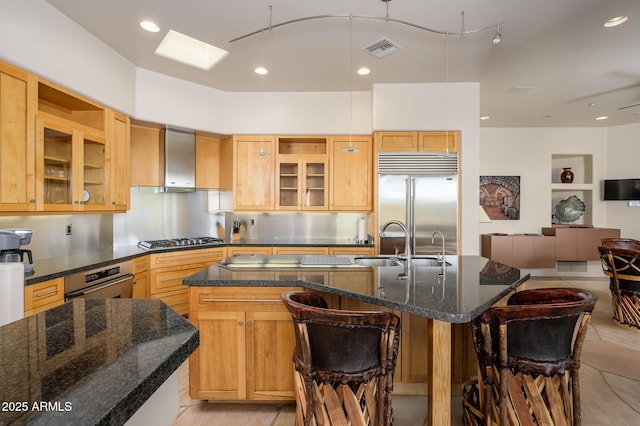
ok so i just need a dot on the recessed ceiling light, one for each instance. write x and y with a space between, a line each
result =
190 51
602 117
485 117
261 71
592 104
150 26
613 22
363 71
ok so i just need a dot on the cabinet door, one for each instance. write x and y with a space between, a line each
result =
314 185
42 296
396 141
91 190
351 174
17 111
248 250
498 248
301 250
270 343
141 285
253 183
523 252
217 369
567 244
288 184
54 165
119 154
147 156
441 141
207 161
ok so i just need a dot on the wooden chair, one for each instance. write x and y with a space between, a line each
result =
344 362
622 266
529 357
623 243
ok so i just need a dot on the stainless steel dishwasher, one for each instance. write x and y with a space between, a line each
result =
112 281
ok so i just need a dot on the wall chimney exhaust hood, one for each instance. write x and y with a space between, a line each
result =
179 160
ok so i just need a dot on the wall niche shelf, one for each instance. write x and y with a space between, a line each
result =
582 186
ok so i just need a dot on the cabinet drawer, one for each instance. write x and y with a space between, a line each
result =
169 280
140 264
237 298
177 300
44 293
187 258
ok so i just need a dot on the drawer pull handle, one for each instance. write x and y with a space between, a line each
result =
46 293
208 299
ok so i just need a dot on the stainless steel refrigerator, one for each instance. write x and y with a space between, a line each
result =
420 190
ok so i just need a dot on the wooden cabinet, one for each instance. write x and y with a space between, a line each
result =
520 251
351 174
72 163
253 171
42 296
147 155
140 271
579 243
302 173
301 250
169 269
254 363
207 161
119 153
427 141
352 251
17 111
249 250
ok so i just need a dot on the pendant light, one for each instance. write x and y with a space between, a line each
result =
350 147
261 70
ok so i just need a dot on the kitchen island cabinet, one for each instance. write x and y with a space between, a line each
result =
247 344
461 291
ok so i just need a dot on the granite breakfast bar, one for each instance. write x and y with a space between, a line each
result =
455 292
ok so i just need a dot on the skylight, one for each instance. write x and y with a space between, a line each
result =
190 51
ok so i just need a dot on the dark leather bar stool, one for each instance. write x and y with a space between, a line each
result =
529 357
344 362
622 266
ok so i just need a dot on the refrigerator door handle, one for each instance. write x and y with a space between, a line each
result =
410 200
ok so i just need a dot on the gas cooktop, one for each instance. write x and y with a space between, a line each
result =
180 242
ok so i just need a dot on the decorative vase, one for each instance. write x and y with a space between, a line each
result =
567 175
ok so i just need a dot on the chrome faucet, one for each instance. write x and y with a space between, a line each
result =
407 243
441 256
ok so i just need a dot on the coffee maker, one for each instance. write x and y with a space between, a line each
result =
10 242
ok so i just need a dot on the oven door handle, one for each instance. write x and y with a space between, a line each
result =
97 287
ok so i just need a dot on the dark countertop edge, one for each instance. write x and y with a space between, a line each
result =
452 318
136 398
113 255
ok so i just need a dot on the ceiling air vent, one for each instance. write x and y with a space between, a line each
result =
382 48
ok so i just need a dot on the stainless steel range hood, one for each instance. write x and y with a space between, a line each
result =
179 160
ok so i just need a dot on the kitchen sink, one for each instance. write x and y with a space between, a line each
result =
378 261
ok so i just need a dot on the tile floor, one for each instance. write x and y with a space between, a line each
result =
609 380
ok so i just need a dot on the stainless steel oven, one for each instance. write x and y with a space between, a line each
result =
112 281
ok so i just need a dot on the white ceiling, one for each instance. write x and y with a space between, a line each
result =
555 58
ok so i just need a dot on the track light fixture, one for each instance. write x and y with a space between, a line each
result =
498 37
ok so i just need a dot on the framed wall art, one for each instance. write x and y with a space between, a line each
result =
500 197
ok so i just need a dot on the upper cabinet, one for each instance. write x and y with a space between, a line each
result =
207 161
428 141
351 171
72 164
17 113
251 177
302 173
58 150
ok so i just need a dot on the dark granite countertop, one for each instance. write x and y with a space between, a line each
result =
48 269
89 361
457 293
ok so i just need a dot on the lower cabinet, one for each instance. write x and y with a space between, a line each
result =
141 277
520 251
246 344
169 269
577 243
42 296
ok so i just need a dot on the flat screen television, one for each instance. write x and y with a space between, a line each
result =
621 189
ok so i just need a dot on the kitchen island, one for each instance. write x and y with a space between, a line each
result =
94 362
456 292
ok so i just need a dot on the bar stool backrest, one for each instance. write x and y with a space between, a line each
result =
622 266
336 347
538 333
